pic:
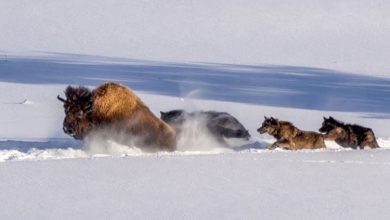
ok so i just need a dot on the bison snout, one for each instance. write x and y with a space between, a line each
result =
246 135
68 130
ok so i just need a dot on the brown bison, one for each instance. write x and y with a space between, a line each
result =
115 108
348 135
290 137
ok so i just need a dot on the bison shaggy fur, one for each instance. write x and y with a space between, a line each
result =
114 107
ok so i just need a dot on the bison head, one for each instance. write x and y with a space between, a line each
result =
174 117
78 110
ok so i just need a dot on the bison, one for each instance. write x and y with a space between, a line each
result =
219 124
114 107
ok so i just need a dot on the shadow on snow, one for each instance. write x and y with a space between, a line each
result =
281 86
65 143
25 146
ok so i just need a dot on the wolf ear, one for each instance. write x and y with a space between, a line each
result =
265 117
274 121
325 118
162 113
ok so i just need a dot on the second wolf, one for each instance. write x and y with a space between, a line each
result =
348 135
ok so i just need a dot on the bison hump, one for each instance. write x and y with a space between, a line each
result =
114 101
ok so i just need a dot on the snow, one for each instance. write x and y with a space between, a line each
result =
278 185
295 62
46 174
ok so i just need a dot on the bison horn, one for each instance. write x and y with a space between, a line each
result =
61 99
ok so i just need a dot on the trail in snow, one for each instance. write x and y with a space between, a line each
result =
33 151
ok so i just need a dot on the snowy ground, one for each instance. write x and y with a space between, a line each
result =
278 185
47 175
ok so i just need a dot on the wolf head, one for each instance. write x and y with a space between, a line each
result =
270 126
329 124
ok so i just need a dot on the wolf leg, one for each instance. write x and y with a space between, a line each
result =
371 144
369 140
286 144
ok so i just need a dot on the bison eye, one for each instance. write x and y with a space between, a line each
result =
80 114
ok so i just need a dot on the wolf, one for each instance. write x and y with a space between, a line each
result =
348 135
290 137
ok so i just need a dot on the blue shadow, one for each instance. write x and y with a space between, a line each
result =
281 86
25 146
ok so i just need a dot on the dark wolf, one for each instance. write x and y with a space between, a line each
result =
290 137
219 124
348 135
